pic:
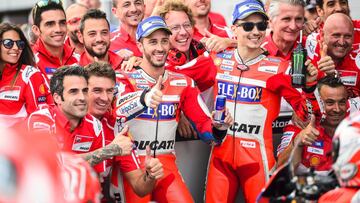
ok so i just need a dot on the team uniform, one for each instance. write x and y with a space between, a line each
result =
120 39
22 93
253 91
178 93
47 63
217 18
114 60
317 156
348 69
219 30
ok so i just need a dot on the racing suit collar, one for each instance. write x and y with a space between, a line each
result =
147 77
248 63
40 47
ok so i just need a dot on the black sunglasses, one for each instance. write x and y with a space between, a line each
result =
9 43
249 26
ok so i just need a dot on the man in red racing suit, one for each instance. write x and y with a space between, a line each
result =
156 126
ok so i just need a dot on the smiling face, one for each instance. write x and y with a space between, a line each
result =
253 38
334 99
129 12
155 48
96 37
338 36
101 94
52 29
199 8
74 101
287 24
13 54
181 28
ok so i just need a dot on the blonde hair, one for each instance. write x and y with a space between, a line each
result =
175 5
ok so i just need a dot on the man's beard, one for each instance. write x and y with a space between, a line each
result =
94 54
156 65
74 38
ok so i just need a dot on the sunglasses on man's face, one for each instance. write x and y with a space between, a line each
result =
43 3
9 43
249 26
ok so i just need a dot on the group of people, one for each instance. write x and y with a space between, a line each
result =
116 100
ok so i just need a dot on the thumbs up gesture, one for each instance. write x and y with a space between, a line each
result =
154 96
325 64
153 167
123 143
309 135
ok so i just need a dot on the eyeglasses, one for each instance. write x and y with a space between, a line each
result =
176 28
249 26
73 21
43 3
9 43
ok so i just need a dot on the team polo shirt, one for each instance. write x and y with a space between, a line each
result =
120 39
47 63
114 60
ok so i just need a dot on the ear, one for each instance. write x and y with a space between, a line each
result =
233 29
80 37
57 98
140 47
320 11
113 10
36 30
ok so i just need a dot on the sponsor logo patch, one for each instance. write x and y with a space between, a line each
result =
242 93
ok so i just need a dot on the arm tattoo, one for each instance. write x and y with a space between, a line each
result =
101 154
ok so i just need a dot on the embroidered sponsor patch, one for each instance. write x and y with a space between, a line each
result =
82 143
247 144
10 93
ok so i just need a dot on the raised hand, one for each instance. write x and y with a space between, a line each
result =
153 166
123 142
325 64
309 135
154 96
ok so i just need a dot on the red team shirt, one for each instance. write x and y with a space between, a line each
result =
47 63
114 60
21 98
120 39
318 155
88 136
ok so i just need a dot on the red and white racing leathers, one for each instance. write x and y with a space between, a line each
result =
22 93
47 63
245 158
317 156
157 128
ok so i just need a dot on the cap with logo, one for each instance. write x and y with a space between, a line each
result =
246 8
150 25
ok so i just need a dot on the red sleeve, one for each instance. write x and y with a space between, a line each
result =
36 93
290 132
196 111
128 101
201 69
281 85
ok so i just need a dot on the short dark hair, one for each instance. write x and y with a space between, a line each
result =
101 69
319 3
331 81
92 14
57 80
45 5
